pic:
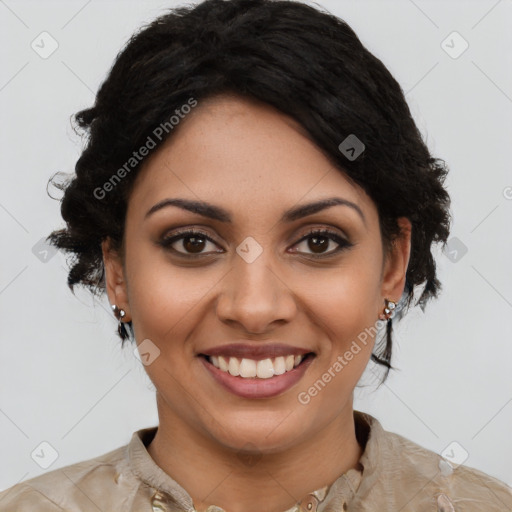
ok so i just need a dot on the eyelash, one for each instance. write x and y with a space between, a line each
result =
166 242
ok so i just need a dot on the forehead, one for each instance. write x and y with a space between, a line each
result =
243 154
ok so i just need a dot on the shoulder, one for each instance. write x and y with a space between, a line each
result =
22 497
421 478
69 488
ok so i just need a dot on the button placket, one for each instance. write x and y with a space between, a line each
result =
309 504
158 502
444 504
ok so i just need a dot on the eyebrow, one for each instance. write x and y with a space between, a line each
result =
217 213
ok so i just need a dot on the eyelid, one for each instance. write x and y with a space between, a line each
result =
330 234
180 234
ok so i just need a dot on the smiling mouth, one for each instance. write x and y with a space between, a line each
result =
257 369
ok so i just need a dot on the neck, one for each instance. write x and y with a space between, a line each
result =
214 475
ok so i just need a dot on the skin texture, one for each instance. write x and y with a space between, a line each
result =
255 162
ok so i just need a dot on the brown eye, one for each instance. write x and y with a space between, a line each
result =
319 241
318 244
190 242
193 244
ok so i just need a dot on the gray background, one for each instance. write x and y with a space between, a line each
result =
63 377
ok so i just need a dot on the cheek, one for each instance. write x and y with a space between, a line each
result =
165 312
346 321
345 308
347 298
163 297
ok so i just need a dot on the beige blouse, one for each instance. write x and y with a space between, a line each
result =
395 475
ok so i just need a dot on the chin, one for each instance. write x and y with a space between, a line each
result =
266 435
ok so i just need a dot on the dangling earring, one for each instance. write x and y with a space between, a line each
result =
120 314
388 310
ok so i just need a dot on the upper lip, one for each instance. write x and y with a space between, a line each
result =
257 352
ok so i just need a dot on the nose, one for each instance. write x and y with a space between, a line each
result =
254 296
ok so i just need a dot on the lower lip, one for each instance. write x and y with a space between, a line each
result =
255 387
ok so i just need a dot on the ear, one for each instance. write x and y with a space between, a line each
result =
115 281
396 262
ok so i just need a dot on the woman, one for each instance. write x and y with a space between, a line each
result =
259 206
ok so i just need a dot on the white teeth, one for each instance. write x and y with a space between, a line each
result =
279 366
233 366
247 368
223 364
265 368
250 368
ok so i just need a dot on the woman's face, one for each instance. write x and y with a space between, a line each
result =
252 284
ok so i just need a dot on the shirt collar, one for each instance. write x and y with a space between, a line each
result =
336 496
